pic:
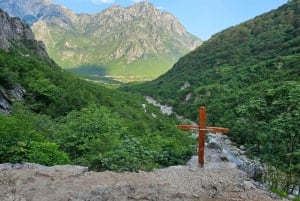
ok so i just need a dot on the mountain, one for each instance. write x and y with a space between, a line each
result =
248 77
32 11
13 29
50 116
139 40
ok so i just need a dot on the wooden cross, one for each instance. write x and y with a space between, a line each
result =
202 128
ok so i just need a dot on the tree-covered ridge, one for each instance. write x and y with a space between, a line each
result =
248 77
65 119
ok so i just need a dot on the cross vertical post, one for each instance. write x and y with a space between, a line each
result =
201 145
202 128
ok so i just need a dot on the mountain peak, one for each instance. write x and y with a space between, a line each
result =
34 10
143 4
121 39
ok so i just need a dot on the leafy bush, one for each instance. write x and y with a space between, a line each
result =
279 192
101 140
46 153
21 142
296 198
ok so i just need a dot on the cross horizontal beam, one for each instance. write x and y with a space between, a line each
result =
207 128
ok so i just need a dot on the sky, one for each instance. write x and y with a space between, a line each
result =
202 18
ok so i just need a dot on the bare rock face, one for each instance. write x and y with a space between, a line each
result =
8 96
30 11
13 30
15 33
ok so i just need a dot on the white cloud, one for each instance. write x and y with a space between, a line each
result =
161 8
136 1
102 1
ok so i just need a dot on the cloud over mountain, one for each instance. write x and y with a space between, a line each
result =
102 1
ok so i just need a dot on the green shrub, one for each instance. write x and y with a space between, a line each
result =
46 153
278 191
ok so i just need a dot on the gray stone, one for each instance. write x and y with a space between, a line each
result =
8 96
213 144
14 30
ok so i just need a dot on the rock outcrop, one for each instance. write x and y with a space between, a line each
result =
8 96
14 31
217 181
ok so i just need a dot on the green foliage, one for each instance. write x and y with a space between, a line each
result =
97 138
275 116
21 141
46 153
66 119
88 132
279 192
296 198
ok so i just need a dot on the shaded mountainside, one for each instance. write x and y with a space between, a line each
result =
248 77
49 116
138 40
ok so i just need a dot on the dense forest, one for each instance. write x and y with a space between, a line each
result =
67 120
248 77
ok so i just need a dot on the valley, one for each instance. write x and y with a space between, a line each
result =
104 121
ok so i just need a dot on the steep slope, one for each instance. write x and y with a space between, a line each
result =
140 40
58 118
248 77
12 30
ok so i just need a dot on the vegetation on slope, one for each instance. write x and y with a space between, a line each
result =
139 40
65 119
248 77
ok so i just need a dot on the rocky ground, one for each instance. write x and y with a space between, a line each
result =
219 180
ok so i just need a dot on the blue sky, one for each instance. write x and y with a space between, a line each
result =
202 18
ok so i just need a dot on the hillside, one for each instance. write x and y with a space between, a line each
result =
49 116
139 40
248 77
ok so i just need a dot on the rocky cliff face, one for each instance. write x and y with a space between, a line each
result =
15 33
31 11
13 30
8 96
118 39
142 30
